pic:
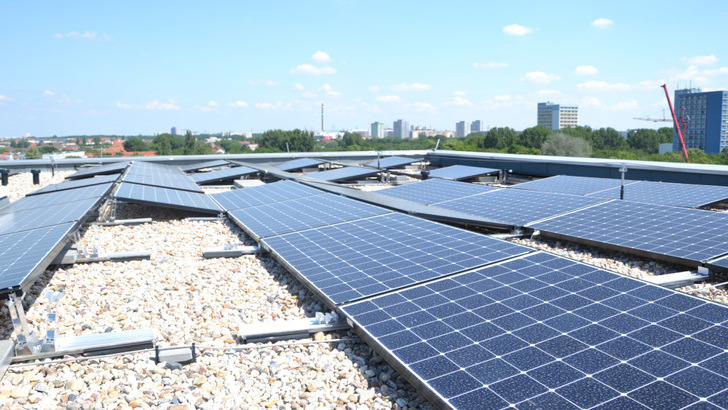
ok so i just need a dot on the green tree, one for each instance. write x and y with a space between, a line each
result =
135 144
351 138
534 137
189 147
498 137
32 154
608 138
645 140
163 145
295 140
47 149
97 142
561 144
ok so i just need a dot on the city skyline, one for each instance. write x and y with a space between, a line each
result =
138 68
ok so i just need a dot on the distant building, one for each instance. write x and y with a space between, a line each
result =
477 126
556 117
363 133
401 129
707 119
462 129
174 131
378 130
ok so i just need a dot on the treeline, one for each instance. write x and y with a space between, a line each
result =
168 144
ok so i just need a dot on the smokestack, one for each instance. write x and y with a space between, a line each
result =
322 117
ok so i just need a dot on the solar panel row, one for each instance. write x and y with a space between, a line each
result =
566 184
344 173
108 169
57 197
63 186
459 172
543 331
206 164
264 194
300 163
167 198
222 174
144 173
391 162
432 191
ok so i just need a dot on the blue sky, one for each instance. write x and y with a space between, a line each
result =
136 67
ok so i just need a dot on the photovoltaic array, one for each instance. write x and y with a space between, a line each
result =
458 172
688 235
297 164
167 198
57 197
264 194
163 176
222 174
63 186
203 165
344 173
301 213
52 214
352 260
108 169
663 193
543 331
565 184
391 162
432 191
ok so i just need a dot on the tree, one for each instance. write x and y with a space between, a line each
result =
189 147
608 138
135 144
352 138
163 145
534 137
97 142
565 145
645 140
280 140
32 154
498 137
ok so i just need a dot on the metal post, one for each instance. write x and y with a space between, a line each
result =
27 341
623 170
4 176
36 176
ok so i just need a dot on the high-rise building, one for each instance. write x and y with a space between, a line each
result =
556 117
477 126
401 129
377 130
174 131
462 129
706 114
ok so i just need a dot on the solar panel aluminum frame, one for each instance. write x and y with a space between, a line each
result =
171 206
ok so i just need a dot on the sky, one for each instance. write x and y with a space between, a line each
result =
141 67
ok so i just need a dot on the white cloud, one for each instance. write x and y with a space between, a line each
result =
241 104
389 98
374 89
309 94
371 107
213 104
603 86
548 93
5 98
602 23
459 101
313 70
170 105
122 105
629 106
321 57
204 108
460 93
506 101
540 77
503 98
86 35
269 106
263 82
329 91
701 60
517 30
48 93
420 107
299 87
590 102
585 70
411 87
490 64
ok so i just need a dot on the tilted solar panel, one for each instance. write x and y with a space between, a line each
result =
53 214
26 254
340 174
202 165
352 260
301 213
160 176
79 183
167 198
222 174
518 207
264 194
687 236
431 191
391 162
566 184
548 332
664 193
299 164
113 168
458 172
58 197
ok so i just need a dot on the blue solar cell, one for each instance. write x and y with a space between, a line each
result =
434 190
685 234
80 183
565 184
382 253
340 174
57 197
264 194
53 214
107 169
202 165
458 172
144 173
578 356
167 198
26 254
517 207
301 213
222 174
664 193
300 163
391 162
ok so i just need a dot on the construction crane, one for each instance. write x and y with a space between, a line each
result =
677 124
663 119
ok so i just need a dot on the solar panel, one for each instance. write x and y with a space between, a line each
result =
113 168
544 331
52 214
391 162
517 207
59 197
160 176
264 194
664 193
689 235
299 164
26 254
79 183
352 260
167 198
565 184
222 174
340 174
458 172
301 213
721 263
431 191
202 165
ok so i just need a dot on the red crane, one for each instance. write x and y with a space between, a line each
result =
677 124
